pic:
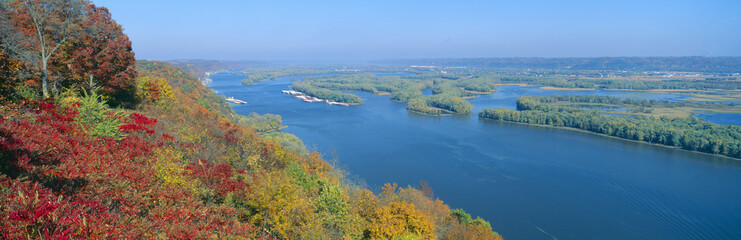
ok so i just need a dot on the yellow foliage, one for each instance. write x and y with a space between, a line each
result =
400 219
69 97
191 135
436 210
279 152
232 155
333 208
316 165
470 231
154 90
365 203
278 207
388 193
389 217
170 169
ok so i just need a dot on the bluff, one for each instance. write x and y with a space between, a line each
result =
178 165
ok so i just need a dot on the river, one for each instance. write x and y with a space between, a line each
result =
530 182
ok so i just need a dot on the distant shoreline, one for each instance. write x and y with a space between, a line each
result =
605 135
685 91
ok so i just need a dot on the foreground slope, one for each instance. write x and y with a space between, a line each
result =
179 167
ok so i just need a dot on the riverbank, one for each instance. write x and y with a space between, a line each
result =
444 112
273 130
546 87
610 136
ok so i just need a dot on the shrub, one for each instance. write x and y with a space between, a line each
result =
96 119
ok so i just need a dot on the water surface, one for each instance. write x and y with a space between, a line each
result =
719 118
530 182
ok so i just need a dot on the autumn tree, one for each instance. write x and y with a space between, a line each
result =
34 30
9 71
101 55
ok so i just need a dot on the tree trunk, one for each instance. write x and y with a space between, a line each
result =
44 81
91 84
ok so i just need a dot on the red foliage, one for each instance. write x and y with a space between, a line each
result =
168 137
35 211
56 183
137 121
218 177
140 119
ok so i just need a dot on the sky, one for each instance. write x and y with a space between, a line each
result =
352 30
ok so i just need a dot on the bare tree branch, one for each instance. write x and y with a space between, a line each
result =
53 21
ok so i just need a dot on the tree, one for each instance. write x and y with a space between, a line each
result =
101 56
33 30
9 71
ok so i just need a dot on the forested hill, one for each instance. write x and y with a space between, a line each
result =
673 64
217 65
177 167
186 83
199 68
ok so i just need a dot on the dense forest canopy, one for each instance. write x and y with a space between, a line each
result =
63 44
688 133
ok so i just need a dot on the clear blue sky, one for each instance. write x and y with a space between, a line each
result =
382 29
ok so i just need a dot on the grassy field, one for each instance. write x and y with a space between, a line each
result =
655 111
734 96
679 111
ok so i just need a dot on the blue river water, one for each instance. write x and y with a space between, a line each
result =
720 118
530 182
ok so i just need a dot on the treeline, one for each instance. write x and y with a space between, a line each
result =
420 106
257 74
444 76
464 88
326 94
481 85
621 83
606 78
688 133
215 65
202 96
400 88
439 104
448 96
455 105
405 95
448 89
620 101
199 67
261 123
675 64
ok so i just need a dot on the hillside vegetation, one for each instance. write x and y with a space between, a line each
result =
177 167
